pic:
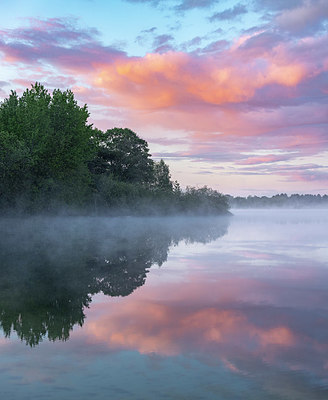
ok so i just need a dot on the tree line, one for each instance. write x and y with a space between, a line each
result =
279 200
52 159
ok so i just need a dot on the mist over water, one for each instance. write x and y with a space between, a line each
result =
51 266
226 308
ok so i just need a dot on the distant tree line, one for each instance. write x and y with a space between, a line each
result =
51 159
279 200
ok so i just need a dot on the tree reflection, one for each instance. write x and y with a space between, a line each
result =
50 268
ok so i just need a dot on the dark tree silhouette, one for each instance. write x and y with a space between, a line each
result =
124 155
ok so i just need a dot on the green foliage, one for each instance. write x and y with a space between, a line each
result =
203 201
15 167
123 154
118 194
162 177
44 147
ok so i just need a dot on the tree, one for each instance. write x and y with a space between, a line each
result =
204 201
162 177
70 142
46 139
123 154
15 168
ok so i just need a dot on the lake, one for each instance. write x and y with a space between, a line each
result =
165 308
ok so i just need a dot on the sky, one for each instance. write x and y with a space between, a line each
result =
231 94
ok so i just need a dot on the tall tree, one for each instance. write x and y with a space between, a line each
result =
162 177
123 154
48 137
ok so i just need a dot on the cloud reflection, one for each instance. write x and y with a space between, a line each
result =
256 311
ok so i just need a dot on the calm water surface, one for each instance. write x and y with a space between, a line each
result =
199 308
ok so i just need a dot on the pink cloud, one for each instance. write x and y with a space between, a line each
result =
173 79
270 158
307 176
56 41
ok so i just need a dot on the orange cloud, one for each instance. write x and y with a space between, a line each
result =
280 335
269 158
159 81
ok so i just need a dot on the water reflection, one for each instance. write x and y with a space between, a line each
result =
50 268
256 307
244 317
